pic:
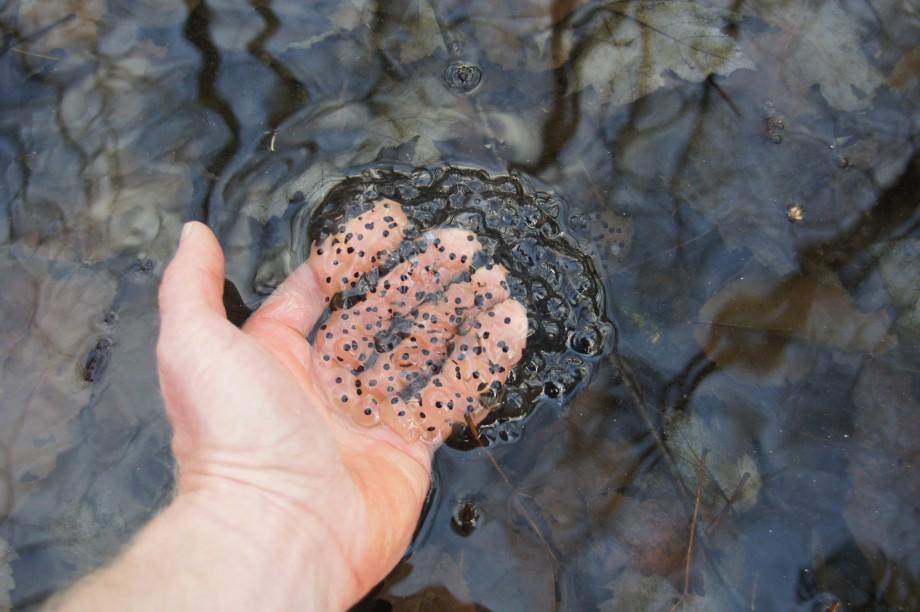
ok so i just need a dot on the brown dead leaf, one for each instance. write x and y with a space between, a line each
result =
883 506
431 580
639 45
56 311
577 504
528 35
425 37
68 24
731 471
577 500
817 44
900 270
510 46
434 598
905 75
653 532
7 556
633 591
573 493
765 328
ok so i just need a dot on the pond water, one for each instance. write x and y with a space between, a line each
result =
739 179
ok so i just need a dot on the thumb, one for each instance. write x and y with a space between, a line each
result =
193 283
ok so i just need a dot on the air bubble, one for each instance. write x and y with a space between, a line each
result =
421 178
462 77
588 341
465 517
553 389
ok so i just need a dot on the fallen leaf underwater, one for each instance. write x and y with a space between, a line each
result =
715 404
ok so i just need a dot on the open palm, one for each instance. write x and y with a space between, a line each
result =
340 432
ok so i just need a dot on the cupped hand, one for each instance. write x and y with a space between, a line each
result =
337 434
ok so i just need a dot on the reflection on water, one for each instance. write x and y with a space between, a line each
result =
746 175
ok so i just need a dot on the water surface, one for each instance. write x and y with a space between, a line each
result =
743 177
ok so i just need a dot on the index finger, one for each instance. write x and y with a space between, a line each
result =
335 264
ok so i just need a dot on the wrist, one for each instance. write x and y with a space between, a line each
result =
221 548
283 554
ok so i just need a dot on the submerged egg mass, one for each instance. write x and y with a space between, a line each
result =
454 296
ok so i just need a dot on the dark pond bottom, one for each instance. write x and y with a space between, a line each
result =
709 209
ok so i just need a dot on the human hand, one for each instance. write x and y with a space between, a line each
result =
261 415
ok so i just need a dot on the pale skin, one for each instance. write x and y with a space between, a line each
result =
283 502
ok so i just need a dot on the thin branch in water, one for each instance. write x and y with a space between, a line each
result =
754 592
515 502
700 477
688 565
679 484
33 54
639 405
728 504
476 436
676 247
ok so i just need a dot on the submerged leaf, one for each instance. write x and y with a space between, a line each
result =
411 120
434 582
54 316
348 16
747 165
405 124
900 269
652 532
761 327
570 502
529 34
906 73
883 506
819 44
507 45
425 35
7 583
638 45
634 591
732 475
583 512
65 24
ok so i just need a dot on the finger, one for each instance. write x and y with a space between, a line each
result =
357 247
334 265
378 387
437 322
352 337
479 363
491 348
191 309
448 253
193 283
421 352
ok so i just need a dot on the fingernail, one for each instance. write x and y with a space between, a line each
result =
186 230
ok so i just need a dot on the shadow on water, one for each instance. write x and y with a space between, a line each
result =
742 178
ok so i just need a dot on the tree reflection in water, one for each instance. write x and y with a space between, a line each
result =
784 351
